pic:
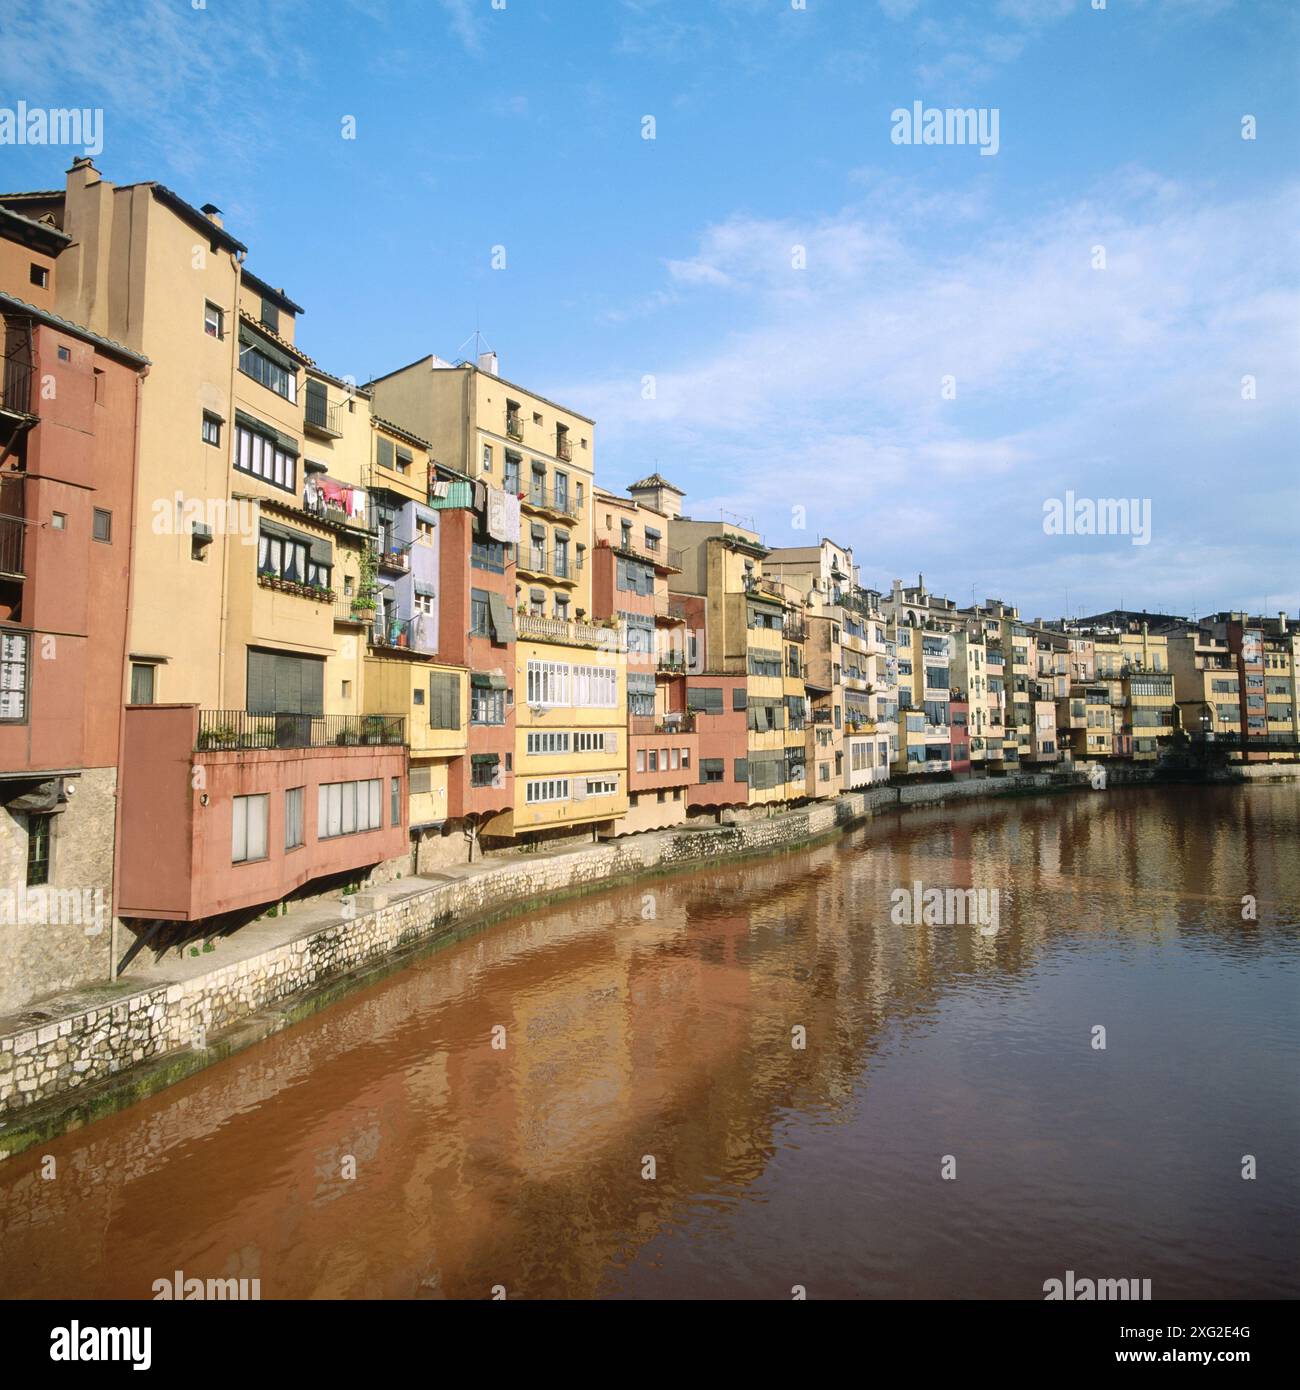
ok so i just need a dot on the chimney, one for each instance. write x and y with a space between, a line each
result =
1281 623
487 362
213 213
659 493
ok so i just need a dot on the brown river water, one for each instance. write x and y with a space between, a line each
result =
658 1022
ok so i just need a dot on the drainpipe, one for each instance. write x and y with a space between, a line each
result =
237 261
124 690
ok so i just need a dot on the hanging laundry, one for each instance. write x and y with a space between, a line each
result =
439 488
502 516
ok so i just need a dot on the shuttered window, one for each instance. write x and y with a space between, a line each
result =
704 699
280 683
385 452
444 700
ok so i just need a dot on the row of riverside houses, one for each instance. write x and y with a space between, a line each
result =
266 633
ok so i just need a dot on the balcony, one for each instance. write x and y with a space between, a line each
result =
203 797
515 426
12 524
317 593
794 630
558 501
550 564
322 419
538 628
226 729
683 723
670 663
393 559
16 383
563 446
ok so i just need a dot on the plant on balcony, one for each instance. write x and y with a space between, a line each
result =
374 728
349 738
364 601
219 736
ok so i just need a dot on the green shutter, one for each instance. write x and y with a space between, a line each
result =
739 699
503 623
385 452
742 770
313 686
261 683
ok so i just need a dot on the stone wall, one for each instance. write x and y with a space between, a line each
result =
59 937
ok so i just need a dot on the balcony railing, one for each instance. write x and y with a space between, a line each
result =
234 729
550 499
395 559
563 446
673 724
571 634
794 630
514 426
12 525
555 564
16 383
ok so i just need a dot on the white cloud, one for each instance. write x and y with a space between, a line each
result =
1115 382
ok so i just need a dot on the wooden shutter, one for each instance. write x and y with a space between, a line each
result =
261 683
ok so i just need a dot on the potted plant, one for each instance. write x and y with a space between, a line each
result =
219 736
374 728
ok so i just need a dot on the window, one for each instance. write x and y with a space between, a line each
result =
487 706
602 786
348 808
13 676
704 700
280 376
404 460
248 828
712 770
38 849
384 452
283 683
270 315
266 455
59 521
511 479
284 555
548 789
65 353
394 801
487 458
595 687
214 321
420 780
103 525
444 700
548 743
593 742
423 603
489 555
211 429
480 613
548 683
293 836
142 683
485 770
39 276
317 410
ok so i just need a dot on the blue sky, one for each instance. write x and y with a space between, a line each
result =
778 388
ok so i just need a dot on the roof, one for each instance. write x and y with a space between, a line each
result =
67 326
191 214
313 369
39 194
397 429
270 292
656 480
30 229
259 327
494 376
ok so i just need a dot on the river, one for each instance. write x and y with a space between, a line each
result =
608 1098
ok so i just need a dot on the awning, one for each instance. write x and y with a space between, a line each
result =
251 422
483 759
423 586
503 622
268 349
322 551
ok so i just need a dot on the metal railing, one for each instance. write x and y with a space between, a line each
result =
549 499
222 729
514 426
563 446
16 383
536 559
673 724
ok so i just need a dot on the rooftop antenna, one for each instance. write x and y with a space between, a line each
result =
481 345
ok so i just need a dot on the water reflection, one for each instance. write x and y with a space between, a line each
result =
660 1023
